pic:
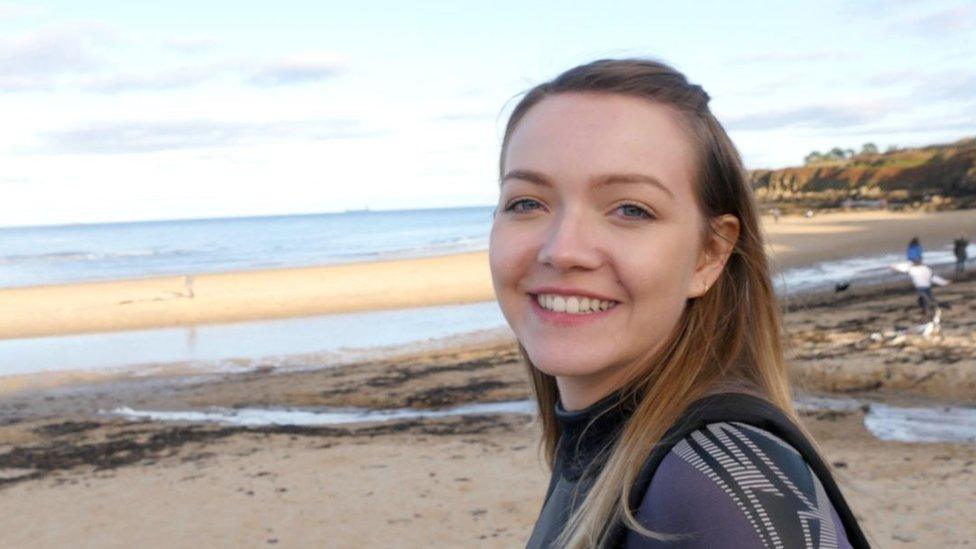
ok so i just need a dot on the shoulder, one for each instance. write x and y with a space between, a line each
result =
736 485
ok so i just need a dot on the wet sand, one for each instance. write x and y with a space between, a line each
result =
867 341
69 473
448 483
801 241
455 279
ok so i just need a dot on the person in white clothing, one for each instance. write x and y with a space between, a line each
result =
922 279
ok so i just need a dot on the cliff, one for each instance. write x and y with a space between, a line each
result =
932 177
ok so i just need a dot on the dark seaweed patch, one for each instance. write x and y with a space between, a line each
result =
112 453
66 428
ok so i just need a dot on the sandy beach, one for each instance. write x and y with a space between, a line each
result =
461 278
72 472
447 484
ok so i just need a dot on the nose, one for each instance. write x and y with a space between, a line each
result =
570 243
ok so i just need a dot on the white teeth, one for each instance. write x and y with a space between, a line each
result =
572 304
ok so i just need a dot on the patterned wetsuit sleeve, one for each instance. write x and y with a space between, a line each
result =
735 486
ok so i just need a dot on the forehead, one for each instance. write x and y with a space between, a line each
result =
572 137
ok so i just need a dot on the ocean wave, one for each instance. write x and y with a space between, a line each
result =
459 240
434 247
69 256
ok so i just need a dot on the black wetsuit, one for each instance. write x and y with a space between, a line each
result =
721 475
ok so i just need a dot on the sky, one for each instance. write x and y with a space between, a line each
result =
125 111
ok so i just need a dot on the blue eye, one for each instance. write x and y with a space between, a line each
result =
633 211
629 211
514 206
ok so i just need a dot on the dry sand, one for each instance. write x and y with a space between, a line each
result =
462 278
71 475
248 295
799 241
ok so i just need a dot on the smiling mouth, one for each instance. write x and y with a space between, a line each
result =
577 305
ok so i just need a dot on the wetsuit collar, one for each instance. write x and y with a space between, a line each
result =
587 432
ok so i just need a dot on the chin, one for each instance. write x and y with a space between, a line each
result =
568 362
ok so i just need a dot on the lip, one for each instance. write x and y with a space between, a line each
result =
567 319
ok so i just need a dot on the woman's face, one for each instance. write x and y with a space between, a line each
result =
597 237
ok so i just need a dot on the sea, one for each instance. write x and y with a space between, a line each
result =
31 256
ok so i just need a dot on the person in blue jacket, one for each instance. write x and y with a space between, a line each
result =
914 251
627 256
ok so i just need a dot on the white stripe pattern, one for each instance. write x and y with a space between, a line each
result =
731 456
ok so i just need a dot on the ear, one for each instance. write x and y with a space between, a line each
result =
715 253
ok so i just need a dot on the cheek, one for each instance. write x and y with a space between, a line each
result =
658 273
508 258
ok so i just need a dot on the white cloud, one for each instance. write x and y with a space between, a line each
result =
465 117
37 62
9 10
812 116
894 77
168 79
792 57
930 86
32 59
20 83
948 22
957 85
54 50
298 69
190 44
154 136
951 125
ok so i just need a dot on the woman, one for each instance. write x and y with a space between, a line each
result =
626 256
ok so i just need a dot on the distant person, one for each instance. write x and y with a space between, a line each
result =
922 279
776 214
914 250
959 246
188 286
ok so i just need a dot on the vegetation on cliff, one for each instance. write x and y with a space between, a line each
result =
932 177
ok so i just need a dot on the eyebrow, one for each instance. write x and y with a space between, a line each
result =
596 182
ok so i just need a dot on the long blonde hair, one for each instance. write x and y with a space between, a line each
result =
726 340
